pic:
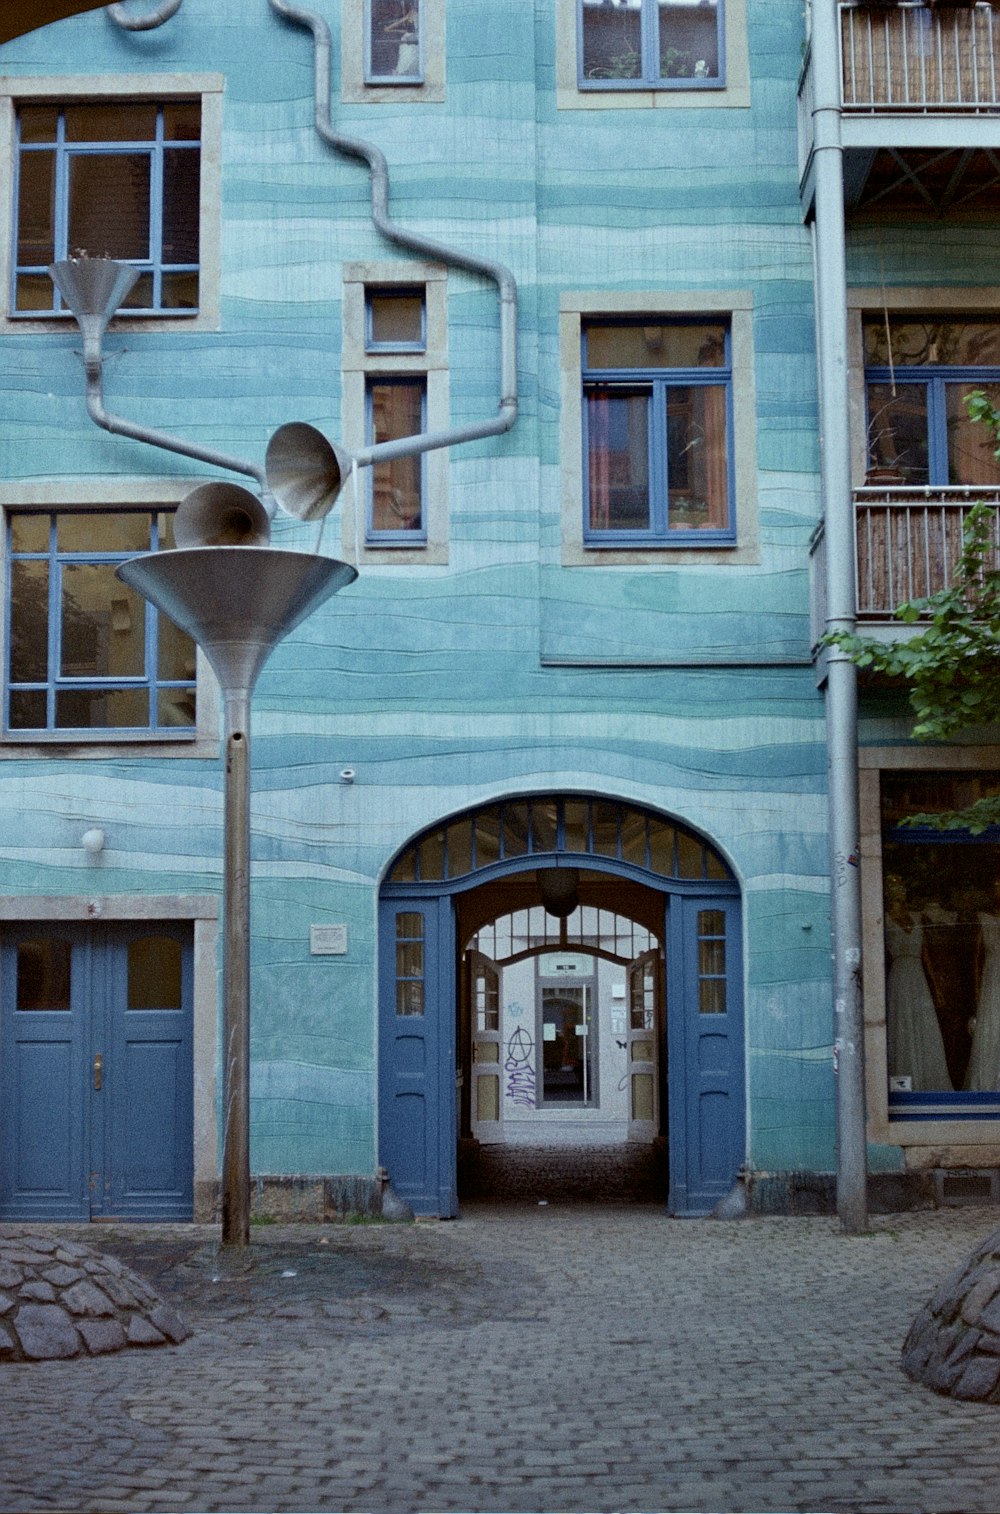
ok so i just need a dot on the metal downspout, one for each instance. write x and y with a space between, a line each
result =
841 688
427 441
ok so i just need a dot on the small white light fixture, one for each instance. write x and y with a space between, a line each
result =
93 841
347 775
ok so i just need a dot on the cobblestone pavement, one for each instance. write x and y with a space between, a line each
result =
521 1358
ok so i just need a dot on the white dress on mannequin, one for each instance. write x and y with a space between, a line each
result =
916 1048
984 1063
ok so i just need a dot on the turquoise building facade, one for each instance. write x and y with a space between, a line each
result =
562 678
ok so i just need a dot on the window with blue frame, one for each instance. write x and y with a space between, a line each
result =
393 42
86 655
918 371
116 178
657 433
396 408
651 44
942 949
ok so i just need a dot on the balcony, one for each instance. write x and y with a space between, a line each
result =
920 58
920 96
908 542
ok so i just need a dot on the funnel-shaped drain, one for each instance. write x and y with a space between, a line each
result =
236 602
93 288
305 472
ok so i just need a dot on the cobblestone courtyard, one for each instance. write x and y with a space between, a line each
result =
521 1358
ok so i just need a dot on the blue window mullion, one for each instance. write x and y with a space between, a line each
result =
937 430
156 211
55 624
650 50
659 482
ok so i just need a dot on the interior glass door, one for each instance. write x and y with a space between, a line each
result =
567 1050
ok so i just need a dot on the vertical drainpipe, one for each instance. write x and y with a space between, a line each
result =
841 688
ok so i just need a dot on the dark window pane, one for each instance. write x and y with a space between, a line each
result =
29 533
109 204
176 652
94 531
396 411
656 344
897 432
662 841
396 318
38 122
487 827
697 470
606 820
972 456
182 120
395 38
515 829
543 826
612 41
912 344
111 121
103 624
176 707
34 292
690 854
576 827
36 210
140 296
154 973
634 838
29 622
98 709
459 849
27 710
181 193
689 40
43 974
178 291
431 856
618 460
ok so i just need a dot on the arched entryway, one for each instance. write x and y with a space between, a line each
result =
560 962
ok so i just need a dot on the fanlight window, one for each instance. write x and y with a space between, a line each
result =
520 828
527 932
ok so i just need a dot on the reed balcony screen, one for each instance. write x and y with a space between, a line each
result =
920 58
909 541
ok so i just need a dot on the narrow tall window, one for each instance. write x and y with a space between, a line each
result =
396 408
119 179
651 44
85 653
657 433
393 42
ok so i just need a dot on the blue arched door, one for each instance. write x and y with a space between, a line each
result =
697 901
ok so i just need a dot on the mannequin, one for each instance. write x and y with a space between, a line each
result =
984 1063
916 1047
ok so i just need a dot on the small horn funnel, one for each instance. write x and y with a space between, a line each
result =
93 288
221 515
305 472
236 604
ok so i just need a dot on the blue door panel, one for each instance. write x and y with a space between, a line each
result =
417 1053
96 1101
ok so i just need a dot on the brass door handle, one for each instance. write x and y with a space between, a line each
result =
98 1070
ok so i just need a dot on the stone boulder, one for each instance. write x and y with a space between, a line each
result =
953 1345
59 1299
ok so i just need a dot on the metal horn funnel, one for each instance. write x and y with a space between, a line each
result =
305 472
221 515
93 288
236 603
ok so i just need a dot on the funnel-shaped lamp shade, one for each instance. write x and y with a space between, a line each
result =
305 472
236 602
221 515
93 288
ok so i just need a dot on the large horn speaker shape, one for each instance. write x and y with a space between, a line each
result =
305 472
221 515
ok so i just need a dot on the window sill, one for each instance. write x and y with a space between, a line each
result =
106 747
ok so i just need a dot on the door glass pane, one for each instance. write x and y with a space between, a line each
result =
642 1051
711 962
712 996
897 432
154 973
488 1051
409 959
971 455
566 1052
409 963
488 1098
409 998
109 204
618 460
642 1096
43 974
487 994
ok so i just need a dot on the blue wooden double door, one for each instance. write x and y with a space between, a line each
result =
96 1072
703 1076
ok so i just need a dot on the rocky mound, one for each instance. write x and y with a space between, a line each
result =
58 1299
954 1343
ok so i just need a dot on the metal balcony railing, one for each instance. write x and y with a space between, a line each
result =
909 541
920 58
